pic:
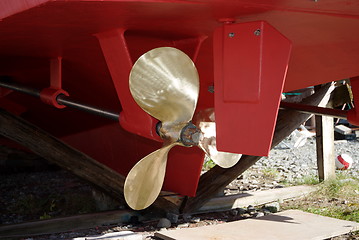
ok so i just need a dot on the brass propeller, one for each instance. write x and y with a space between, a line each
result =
164 83
205 120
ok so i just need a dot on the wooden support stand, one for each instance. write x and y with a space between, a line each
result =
325 139
325 147
58 152
217 178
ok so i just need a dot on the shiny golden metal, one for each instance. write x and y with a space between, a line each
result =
164 83
144 182
209 146
205 120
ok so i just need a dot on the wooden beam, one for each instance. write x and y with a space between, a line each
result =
325 147
257 198
65 224
217 178
325 138
58 152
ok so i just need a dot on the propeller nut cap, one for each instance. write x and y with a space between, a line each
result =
190 135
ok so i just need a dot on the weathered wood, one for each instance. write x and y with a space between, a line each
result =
217 178
325 147
65 224
257 198
58 152
325 138
285 225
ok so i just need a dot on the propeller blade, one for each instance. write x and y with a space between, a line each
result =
208 145
164 83
205 120
144 182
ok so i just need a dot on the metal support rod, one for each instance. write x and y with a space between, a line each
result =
7 83
61 99
314 110
64 100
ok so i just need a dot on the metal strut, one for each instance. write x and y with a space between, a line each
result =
61 99
314 110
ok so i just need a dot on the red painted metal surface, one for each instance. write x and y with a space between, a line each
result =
251 61
99 40
50 94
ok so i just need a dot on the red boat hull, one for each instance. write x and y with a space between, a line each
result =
315 42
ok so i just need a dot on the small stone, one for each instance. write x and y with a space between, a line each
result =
195 220
266 211
183 225
241 210
164 223
254 182
246 215
234 212
186 217
258 214
272 207
172 217
251 209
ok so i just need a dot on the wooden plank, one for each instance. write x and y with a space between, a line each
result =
123 235
342 129
286 225
325 147
217 178
243 200
58 152
65 224
325 140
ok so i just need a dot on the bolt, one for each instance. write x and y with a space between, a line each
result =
190 135
257 32
231 35
211 89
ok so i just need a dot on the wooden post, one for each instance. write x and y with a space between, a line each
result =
325 139
325 147
217 178
58 152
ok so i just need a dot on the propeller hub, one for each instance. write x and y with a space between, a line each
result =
190 135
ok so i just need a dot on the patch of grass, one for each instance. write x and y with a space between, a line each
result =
208 164
345 213
343 186
271 173
338 198
307 180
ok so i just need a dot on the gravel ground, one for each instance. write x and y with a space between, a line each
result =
47 194
287 165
